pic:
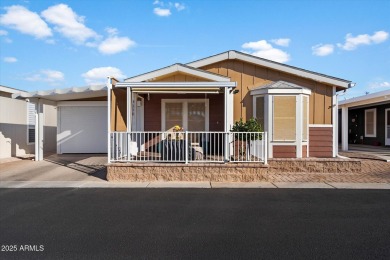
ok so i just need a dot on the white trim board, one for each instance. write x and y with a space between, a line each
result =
178 68
82 103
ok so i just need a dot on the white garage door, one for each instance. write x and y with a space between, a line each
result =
82 129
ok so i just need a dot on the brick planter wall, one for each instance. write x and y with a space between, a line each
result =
232 172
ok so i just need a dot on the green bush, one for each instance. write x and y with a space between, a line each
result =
252 125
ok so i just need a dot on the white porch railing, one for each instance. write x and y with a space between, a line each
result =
188 147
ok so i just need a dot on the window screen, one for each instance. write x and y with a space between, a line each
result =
370 127
260 111
30 122
284 128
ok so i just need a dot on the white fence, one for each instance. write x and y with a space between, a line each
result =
188 147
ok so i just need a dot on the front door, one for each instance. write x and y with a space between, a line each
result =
387 122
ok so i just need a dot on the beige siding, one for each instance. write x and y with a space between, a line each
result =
118 110
179 77
249 76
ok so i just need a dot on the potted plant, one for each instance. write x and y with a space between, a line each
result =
243 140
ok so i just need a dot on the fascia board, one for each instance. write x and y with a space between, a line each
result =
173 69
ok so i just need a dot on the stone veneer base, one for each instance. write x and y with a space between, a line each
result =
230 172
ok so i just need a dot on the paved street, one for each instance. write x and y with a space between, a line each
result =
196 223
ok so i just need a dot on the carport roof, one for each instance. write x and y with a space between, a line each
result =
66 93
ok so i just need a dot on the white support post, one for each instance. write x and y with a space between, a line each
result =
36 132
265 148
335 122
129 109
40 129
186 146
109 87
228 109
344 128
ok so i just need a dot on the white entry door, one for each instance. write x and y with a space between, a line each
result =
387 125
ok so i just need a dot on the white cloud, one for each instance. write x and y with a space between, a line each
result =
68 23
10 59
115 44
111 31
25 21
3 33
53 77
322 49
379 84
164 9
99 75
282 42
162 12
179 6
265 50
351 43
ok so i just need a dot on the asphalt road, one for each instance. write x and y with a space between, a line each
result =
195 223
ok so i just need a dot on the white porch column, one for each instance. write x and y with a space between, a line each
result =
129 101
344 128
228 109
109 87
335 122
39 121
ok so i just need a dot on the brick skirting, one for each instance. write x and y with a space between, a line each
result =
231 172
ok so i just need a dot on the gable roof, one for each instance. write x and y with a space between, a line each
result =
178 67
276 87
236 55
11 90
369 99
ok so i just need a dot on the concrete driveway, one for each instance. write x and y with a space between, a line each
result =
66 167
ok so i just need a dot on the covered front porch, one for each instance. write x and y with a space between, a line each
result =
181 122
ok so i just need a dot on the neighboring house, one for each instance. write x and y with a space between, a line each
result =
297 109
366 120
17 125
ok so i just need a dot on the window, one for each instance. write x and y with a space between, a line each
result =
173 115
260 110
30 123
370 122
191 114
284 127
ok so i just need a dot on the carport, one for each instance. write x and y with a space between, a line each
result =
81 118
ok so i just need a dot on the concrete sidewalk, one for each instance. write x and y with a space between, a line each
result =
201 185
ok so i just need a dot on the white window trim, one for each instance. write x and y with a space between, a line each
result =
185 111
365 122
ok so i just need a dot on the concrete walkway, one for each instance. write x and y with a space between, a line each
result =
201 185
369 151
89 171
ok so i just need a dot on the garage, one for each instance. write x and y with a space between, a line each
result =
82 127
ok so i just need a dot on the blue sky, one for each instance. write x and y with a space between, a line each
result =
57 44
